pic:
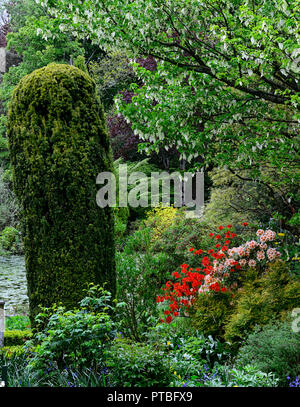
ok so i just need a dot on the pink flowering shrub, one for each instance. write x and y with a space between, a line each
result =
257 251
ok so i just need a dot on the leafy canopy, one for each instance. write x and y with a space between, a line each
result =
227 78
226 88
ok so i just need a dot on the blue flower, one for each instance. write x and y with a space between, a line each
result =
295 383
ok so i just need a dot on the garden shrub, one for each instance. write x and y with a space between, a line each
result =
210 312
195 354
170 335
10 240
4 154
205 349
122 213
243 376
161 218
76 338
20 322
144 167
81 64
11 351
273 348
138 241
235 200
16 337
139 279
179 237
272 295
135 364
58 145
121 219
112 73
184 233
287 243
232 289
16 361
188 375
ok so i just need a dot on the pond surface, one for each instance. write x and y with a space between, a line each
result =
13 286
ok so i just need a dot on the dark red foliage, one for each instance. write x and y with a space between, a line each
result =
4 30
124 141
148 63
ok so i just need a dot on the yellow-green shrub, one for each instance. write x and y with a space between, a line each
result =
16 337
12 351
161 218
232 316
210 311
270 296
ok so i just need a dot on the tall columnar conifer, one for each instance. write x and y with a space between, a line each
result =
58 144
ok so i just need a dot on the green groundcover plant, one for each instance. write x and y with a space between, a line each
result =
273 348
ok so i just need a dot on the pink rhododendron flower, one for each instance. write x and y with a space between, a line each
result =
260 255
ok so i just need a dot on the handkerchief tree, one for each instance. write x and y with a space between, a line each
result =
226 88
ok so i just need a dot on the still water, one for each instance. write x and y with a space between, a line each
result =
13 286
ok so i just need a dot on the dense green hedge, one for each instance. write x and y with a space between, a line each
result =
58 144
11 351
16 337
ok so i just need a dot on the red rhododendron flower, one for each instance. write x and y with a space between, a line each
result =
215 287
205 261
245 224
218 236
229 226
211 235
173 306
220 227
169 319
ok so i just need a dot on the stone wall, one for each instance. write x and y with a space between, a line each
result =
12 59
8 59
2 60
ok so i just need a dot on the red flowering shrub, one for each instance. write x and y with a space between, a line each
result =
217 272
